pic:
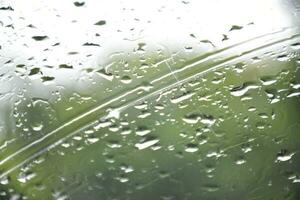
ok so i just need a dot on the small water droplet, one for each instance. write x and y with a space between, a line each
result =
182 98
126 79
284 155
5 180
240 161
37 127
146 144
34 71
105 75
191 148
243 89
268 80
235 27
282 58
192 118
92 140
47 78
79 4
207 120
23 177
100 23
40 38
65 66
293 94
296 46
141 131
211 188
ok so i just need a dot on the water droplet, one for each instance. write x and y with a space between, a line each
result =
235 27
105 75
5 180
293 94
125 131
141 131
192 118
126 79
243 89
211 188
127 169
100 23
92 140
24 177
240 161
123 179
65 66
191 148
9 8
225 37
146 144
79 4
208 120
284 155
40 38
34 71
47 78
283 58
296 46
91 44
37 127
268 80
182 98
102 124
113 113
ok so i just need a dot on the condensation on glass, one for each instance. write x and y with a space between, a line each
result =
164 100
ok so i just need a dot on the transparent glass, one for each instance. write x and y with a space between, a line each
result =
136 99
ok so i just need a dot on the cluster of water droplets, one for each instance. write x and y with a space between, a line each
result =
206 119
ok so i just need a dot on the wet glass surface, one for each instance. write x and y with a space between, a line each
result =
170 100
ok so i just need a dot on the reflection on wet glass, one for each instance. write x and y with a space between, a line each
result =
149 100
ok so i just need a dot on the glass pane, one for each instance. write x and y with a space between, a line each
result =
169 100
